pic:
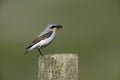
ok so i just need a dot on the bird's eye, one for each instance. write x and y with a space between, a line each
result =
52 27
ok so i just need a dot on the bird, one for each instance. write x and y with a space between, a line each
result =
44 38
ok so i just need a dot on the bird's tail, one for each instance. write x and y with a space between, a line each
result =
28 49
26 52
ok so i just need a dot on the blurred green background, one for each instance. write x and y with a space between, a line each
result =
91 29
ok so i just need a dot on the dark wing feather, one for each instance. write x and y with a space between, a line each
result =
38 39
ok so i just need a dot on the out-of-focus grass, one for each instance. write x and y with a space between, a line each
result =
91 29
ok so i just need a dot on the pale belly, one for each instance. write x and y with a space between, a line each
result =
44 42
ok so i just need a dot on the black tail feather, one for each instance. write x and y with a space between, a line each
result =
26 52
29 47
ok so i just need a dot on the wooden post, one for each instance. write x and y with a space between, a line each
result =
58 67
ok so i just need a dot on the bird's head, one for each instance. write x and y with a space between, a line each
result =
54 26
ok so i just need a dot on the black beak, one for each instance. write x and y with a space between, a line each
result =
59 26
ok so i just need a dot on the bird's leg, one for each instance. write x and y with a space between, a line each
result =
40 52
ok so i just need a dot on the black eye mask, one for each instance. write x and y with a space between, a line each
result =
53 27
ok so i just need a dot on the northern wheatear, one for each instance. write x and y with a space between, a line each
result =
44 39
